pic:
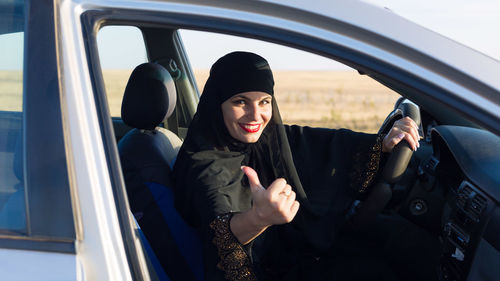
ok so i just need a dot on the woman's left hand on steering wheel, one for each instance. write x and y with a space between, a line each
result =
403 129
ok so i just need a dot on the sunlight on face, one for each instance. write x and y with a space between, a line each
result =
247 114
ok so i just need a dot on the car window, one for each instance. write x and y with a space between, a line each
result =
310 90
121 49
35 198
12 195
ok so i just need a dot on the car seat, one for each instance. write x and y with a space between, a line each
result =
13 211
147 153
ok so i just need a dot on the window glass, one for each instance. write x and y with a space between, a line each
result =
121 49
310 90
12 195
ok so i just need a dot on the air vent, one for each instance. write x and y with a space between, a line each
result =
472 203
464 195
431 164
477 205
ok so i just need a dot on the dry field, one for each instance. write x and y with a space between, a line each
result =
11 88
332 99
316 98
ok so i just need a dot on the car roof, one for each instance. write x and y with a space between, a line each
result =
388 24
374 40
360 21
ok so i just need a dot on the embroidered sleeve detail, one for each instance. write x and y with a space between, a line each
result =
367 165
233 259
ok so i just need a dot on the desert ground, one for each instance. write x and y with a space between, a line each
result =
331 99
334 99
11 87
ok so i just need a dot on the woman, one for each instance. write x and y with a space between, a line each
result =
279 222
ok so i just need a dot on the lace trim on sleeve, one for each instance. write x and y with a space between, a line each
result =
367 165
233 259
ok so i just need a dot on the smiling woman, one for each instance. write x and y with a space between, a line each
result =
311 90
248 224
291 212
246 115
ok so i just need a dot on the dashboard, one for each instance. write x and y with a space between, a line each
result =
457 196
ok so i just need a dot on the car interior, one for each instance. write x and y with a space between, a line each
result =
147 154
433 215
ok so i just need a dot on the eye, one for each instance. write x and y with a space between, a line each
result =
239 102
265 101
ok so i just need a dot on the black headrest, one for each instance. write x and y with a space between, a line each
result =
149 97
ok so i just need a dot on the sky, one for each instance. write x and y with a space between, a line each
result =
475 23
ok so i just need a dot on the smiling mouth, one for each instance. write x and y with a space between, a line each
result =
250 128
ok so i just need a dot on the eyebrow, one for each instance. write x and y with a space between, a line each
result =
246 98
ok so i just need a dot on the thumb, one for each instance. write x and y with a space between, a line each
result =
253 179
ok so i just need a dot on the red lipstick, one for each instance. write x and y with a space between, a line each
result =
250 128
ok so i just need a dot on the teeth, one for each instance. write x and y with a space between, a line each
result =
251 126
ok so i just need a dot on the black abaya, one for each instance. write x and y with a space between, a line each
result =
326 168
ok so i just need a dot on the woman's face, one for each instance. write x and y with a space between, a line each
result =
247 114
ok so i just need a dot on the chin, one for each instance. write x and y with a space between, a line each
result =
250 139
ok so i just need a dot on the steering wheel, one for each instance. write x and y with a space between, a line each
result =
401 154
393 170
381 193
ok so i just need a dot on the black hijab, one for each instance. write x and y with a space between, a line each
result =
209 146
322 169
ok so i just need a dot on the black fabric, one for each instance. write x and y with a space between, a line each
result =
241 72
319 164
149 97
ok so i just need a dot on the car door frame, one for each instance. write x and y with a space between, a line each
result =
416 83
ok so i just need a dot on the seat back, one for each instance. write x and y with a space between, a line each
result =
12 195
147 153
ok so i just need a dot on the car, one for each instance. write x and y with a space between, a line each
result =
64 209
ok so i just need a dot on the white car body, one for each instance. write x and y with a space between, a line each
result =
100 252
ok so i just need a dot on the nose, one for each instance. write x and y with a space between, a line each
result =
253 112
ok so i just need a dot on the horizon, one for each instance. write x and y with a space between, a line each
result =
470 23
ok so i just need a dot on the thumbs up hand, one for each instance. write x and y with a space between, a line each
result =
274 205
